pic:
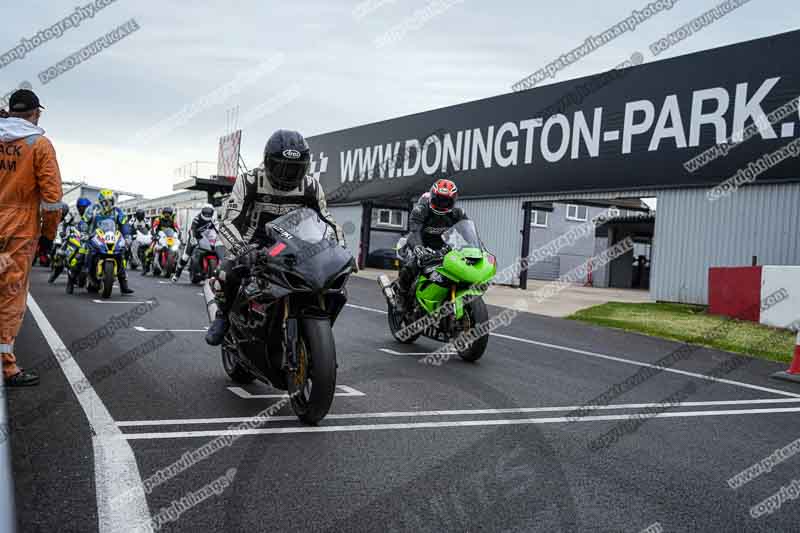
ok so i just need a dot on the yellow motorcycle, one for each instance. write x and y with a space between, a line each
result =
108 245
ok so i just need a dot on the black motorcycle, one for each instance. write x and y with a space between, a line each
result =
282 317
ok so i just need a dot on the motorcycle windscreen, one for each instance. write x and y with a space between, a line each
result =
107 226
463 234
306 245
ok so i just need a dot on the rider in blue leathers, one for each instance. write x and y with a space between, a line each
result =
105 209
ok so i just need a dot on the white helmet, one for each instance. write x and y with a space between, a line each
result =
207 212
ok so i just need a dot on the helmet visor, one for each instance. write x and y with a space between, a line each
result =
287 173
442 204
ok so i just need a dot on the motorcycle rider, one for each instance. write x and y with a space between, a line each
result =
76 218
280 186
166 220
105 209
203 221
434 213
138 226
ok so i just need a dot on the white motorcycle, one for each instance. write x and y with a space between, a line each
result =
208 253
166 253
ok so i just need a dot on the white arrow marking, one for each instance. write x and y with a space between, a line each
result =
147 330
121 302
241 393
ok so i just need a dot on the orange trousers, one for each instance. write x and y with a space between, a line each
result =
16 258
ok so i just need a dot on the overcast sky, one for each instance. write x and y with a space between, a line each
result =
158 99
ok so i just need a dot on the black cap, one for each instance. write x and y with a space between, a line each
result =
23 101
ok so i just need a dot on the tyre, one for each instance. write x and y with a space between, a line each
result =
478 314
108 278
172 263
396 324
212 267
311 388
232 367
70 285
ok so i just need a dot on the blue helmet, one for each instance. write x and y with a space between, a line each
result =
83 204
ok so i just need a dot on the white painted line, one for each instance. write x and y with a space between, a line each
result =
116 472
241 393
639 363
367 309
460 412
625 361
393 352
349 391
143 329
448 424
121 302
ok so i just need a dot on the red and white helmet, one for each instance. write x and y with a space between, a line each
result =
443 196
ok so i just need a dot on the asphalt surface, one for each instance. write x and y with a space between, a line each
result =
402 460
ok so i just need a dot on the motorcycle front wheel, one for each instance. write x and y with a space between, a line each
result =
108 278
171 266
312 386
478 314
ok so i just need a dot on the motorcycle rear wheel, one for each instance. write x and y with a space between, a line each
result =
312 387
396 324
232 367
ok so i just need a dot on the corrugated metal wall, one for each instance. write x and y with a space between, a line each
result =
499 224
693 234
349 218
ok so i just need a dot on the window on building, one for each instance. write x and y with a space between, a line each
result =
390 217
539 219
578 213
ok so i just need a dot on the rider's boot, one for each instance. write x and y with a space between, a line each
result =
219 327
403 287
178 271
123 284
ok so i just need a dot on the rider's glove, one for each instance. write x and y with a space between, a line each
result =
249 256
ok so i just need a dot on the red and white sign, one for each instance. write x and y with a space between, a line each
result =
766 294
228 159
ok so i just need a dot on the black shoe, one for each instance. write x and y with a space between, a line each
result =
400 303
24 378
217 330
123 287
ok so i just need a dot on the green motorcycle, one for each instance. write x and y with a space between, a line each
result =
448 292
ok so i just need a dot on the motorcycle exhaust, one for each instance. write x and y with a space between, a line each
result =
386 287
210 296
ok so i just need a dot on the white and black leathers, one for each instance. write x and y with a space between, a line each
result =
254 202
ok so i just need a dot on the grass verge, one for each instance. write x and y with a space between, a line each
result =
691 323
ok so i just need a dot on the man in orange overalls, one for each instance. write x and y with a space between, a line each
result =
30 206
